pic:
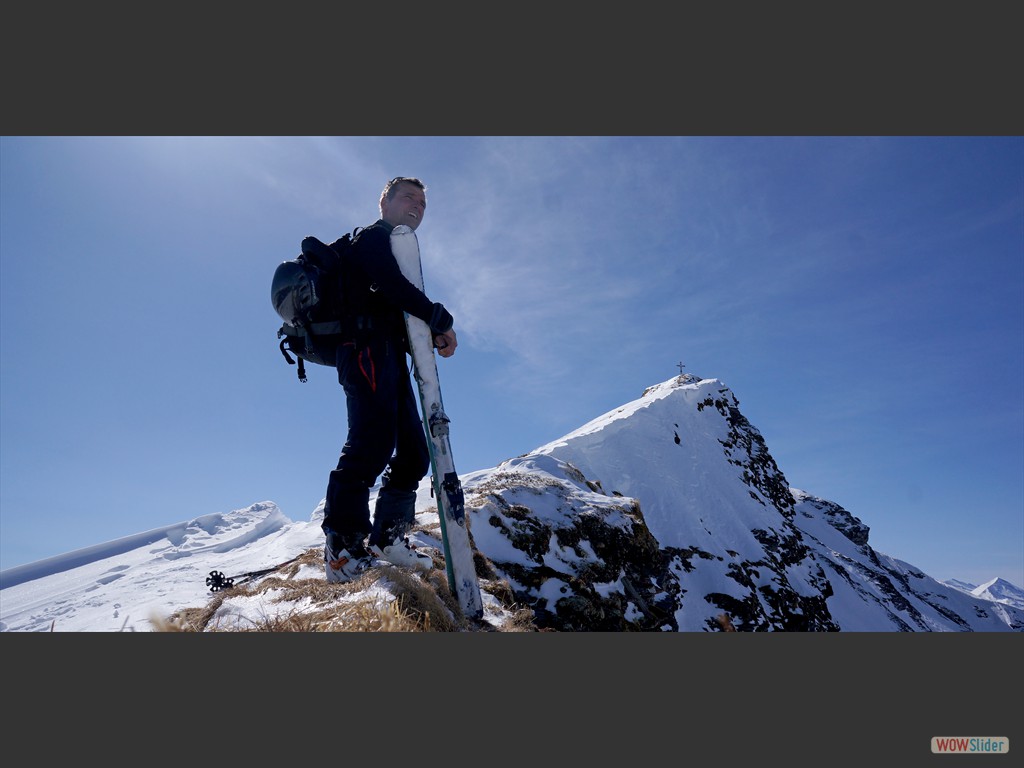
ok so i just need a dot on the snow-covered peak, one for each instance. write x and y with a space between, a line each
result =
683 445
1000 591
650 396
670 512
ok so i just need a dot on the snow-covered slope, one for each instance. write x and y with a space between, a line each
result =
670 513
666 514
123 584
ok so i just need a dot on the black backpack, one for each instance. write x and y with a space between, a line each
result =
308 294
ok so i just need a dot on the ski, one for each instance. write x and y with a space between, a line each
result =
458 552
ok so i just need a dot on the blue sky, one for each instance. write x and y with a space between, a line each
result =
862 296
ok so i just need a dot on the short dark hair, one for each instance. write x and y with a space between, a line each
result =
389 188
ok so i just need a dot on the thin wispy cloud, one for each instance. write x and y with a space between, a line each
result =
861 295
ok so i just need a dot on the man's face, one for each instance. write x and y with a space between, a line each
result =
407 206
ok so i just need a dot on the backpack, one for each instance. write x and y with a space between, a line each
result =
308 295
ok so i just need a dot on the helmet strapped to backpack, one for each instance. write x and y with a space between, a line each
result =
307 294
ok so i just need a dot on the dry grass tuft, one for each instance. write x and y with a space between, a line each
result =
384 599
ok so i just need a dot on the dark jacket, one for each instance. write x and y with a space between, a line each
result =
376 292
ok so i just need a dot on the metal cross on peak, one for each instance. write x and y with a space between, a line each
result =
681 366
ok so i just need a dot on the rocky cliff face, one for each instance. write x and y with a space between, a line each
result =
670 514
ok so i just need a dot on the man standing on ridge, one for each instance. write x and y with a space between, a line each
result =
385 433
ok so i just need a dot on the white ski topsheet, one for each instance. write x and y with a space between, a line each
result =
458 551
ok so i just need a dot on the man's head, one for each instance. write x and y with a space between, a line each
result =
403 201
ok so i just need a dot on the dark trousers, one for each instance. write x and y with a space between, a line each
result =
384 433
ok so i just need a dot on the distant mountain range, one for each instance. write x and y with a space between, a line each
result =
998 591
